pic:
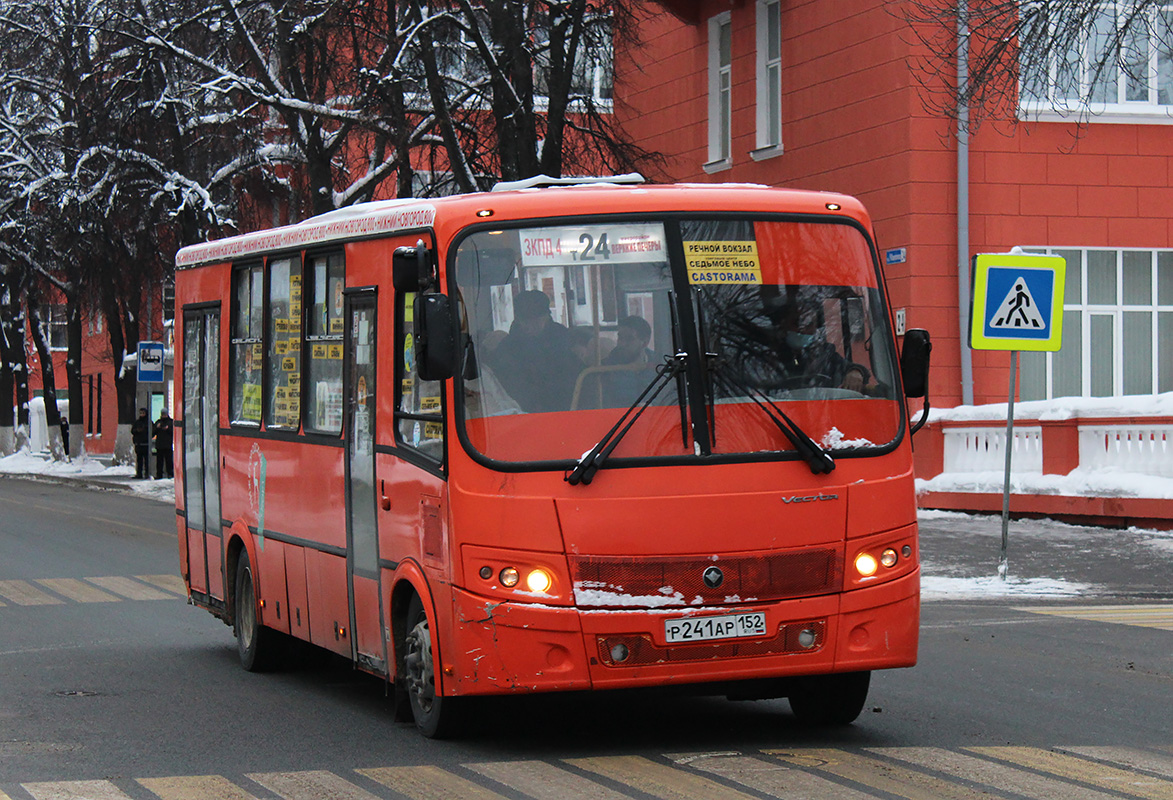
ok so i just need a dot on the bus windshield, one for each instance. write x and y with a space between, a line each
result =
565 327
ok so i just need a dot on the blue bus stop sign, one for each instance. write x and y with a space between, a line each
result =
150 362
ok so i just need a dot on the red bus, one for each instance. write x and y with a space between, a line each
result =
553 439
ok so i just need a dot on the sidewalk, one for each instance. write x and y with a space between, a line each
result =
94 472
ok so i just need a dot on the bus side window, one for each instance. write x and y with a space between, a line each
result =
284 343
324 328
419 412
247 355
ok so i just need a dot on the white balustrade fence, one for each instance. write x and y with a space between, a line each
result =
983 449
1145 449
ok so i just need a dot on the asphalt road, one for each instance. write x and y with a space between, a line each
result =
109 679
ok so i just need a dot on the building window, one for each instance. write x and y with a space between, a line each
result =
1123 66
56 326
1117 328
769 79
720 93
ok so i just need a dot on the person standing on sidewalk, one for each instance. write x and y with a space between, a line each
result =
163 433
140 434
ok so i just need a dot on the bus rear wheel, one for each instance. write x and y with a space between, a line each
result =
829 699
259 647
435 716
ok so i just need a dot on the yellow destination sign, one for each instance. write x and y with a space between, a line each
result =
722 262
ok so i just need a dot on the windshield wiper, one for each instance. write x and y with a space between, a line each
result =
818 459
589 464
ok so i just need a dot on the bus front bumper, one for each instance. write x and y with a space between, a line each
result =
519 647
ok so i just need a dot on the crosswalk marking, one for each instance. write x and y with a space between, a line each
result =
768 777
959 765
878 774
1073 768
170 583
1145 616
657 780
24 593
543 781
76 590
129 588
74 790
316 785
1128 757
429 783
195 787
912 773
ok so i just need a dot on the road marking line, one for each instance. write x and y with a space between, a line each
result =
1130 757
77 591
657 780
544 781
170 583
74 790
880 775
1078 769
971 768
195 787
24 593
130 588
314 785
769 777
429 783
1145 616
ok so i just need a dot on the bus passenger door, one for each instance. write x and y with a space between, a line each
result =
366 642
201 450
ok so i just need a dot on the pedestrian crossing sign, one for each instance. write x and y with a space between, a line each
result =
1016 302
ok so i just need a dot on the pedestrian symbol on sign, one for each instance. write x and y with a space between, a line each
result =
1019 309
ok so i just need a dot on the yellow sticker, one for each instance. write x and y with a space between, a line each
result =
281 325
336 325
335 352
318 351
722 262
429 404
433 430
281 347
288 364
250 410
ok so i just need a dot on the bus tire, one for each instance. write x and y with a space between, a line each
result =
834 699
435 716
260 648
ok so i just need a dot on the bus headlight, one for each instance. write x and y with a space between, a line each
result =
509 577
538 581
866 564
888 557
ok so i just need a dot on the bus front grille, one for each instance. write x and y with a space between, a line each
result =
680 581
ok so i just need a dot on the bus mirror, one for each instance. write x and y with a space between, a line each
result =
435 340
411 268
914 362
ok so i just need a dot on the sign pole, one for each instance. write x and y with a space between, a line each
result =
1003 563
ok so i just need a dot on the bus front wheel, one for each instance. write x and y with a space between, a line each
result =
829 699
436 716
257 645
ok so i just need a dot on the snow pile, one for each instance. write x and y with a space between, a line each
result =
1160 405
991 586
90 470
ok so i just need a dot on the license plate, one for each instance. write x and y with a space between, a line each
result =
724 626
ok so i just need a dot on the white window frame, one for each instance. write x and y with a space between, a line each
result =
768 103
56 325
720 97
1160 357
1120 109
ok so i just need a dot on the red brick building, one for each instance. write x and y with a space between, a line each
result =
819 95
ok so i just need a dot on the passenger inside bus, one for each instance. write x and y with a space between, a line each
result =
622 387
535 362
807 356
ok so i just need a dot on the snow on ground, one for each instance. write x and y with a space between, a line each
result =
941 588
90 470
1160 405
